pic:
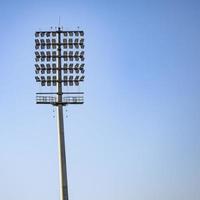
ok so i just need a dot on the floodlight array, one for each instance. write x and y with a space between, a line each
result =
66 80
52 56
70 44
66 43
54 33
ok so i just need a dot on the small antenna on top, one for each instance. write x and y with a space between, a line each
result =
59 21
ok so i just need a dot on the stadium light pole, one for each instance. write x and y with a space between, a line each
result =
59 60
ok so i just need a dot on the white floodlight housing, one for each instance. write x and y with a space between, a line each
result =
70 33
82 56
37 66
42 34
65 43
42 68
82 68
65 80
37 54
76 78
76 81
48 80
65 55
65 69
76 55
76 43
71 53
54 43
76 33
37 59
47 34
37 34
48 53
37 79
76 68
48 46
42 83
54 68
54 80
53 56
48 41
71 80
37 42
71 68
70 43
81 33
82 78
42 53
42 41
81 43
53 53
42 80
48 67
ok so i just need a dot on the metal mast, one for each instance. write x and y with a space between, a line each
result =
60 124
63 47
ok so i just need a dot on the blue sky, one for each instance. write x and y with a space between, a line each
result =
138 134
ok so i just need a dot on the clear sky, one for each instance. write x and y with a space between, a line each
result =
137 137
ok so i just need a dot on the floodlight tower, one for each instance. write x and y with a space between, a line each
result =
59 65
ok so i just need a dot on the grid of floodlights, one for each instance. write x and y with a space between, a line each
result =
72 57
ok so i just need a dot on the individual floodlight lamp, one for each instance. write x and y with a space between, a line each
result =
59 58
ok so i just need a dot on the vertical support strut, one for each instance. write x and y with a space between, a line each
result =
60 125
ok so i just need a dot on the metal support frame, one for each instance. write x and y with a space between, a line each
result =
59 100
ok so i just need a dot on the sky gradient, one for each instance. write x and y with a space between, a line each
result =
137 137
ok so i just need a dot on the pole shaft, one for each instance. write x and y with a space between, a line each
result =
60 125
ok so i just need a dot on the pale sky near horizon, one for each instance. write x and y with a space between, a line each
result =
137 136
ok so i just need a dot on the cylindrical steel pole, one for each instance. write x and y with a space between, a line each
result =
60 125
